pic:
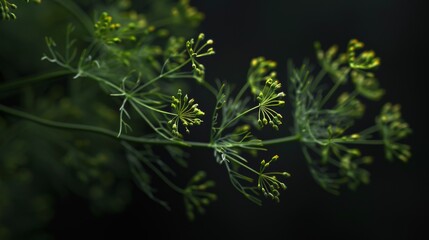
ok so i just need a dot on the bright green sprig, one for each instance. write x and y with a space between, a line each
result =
365 61
110 32
186 112
196 195
268 183
105 29
367 85
393 129
269 98
196 51
335 66
184 13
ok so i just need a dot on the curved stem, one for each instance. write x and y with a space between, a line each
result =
26 81
245 166
86 128
330 93
161 76
234 119
242 90
149 107
239 116
113 134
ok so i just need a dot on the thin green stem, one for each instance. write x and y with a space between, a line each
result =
318 78
245 166
274 141
149 107
161 76
241 92
363 142
30 80
88 128
240 115
164 178
330 93
370 130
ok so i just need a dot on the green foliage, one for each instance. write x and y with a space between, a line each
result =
393 129
268 182
127 73
332 151
196 195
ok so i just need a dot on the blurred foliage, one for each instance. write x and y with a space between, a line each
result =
40 164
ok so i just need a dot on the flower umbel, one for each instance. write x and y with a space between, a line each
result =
334 63
393 129
196 51
365 60
260 70
268 182
105 29
268 98
186 111
196 196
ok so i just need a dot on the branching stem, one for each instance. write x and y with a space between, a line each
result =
113 134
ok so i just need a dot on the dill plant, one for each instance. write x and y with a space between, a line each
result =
136 61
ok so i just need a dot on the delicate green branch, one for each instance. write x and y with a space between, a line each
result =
330 93
239 116
113 134
164 178
88 128
161 76
274 141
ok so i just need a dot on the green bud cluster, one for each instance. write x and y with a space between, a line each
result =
186 112
393 129
196 196
196 51
260 71
366 60
268 183
267 99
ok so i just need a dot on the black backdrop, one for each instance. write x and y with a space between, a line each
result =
392 206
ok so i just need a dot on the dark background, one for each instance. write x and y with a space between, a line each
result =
393 205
